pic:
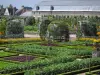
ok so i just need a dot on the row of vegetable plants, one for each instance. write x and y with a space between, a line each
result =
81 71
58 55
39 63
78 42
35 64
55 69
45 50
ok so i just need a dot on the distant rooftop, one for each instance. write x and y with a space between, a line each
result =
69 5
27 14
23 9
28 8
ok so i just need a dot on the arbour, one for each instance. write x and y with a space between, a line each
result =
59 30
87 29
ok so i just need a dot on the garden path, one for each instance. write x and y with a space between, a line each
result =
31 35
72 36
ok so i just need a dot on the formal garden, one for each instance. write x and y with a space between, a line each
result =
54 52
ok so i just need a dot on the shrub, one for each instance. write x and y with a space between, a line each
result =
89 29
15 29
43 28
59 30
30 21
2 27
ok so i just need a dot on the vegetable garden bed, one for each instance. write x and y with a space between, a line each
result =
46 58
97 72
21 58
81 70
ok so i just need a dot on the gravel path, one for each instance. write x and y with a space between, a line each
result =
31 35
72 36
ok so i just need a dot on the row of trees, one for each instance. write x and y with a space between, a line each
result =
60 26
54 30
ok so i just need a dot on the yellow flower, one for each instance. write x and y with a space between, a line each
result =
98 33
96 40
1 33
94 48
19 40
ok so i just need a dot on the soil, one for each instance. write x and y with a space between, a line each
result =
49 44
20 58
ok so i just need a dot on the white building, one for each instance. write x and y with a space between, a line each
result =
67 7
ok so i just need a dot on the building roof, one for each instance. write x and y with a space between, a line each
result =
28 8
27 14
23 10
69 5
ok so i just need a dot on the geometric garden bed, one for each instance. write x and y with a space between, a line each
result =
63 61
23 58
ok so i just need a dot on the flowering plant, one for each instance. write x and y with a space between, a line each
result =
1 33
98 33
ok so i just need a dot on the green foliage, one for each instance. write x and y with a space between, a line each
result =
59 30
30 28
5 64
15 29
43 28
89 29
56 56
3 54
66 67
3 25
30 21
59 59
44 50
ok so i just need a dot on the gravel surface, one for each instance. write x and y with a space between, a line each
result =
72 36
31 35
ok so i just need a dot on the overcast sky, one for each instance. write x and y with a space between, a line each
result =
19 3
